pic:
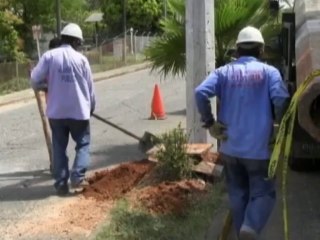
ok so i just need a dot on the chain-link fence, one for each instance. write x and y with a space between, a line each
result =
108 55
14 76
111 54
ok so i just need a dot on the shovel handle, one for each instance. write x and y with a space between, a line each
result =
116 126
45 125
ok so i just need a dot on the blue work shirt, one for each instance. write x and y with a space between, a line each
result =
247 90
70 83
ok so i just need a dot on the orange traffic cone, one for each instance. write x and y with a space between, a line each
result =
157 107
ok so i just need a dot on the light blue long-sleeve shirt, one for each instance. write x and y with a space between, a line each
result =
247 90
70 83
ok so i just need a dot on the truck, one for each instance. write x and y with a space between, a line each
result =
300 45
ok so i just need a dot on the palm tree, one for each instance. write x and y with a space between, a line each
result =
167 53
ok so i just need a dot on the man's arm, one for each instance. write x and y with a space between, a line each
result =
206 90
40 73
279 94
89 78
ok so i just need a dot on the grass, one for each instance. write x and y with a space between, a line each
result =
137 224
14 85
107 63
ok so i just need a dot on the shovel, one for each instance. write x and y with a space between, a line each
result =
146 142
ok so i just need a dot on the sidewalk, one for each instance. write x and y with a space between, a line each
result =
28 94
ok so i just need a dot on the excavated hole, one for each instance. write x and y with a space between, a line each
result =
139 183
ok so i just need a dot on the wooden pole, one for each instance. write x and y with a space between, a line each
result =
45 124
44 119
200 57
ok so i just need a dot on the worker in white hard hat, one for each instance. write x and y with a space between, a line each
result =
70 103
252 96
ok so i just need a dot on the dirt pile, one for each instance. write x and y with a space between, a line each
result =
112 184
139 181
169 197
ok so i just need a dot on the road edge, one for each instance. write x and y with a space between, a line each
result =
27 95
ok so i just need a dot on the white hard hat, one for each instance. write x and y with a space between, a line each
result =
72 30
250 35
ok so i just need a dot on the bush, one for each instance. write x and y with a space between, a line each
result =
14 85
174 163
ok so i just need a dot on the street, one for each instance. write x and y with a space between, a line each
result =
25 183
303 208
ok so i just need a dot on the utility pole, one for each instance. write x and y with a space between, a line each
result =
58 17
200 57
124 44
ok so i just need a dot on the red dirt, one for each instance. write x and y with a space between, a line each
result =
138 180
78 217
112 184
70 218
169 197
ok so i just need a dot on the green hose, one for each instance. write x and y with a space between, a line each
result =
282 147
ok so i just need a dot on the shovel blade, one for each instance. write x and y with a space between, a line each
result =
148 141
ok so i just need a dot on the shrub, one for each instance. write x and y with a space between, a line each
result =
13 85
174 163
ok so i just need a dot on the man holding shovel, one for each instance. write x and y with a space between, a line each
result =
70 103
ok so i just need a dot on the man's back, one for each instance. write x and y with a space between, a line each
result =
70 90
246 108
246 89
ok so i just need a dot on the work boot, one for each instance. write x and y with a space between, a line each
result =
80 185
247 233
62 190
246 236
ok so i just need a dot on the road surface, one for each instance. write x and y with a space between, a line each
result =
25 183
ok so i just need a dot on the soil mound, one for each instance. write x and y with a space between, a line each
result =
169 197
112 184
139 182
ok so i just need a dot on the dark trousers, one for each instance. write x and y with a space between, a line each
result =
252 195
80 133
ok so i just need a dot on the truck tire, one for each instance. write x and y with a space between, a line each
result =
304 164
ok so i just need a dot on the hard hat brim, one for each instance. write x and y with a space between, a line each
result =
249 45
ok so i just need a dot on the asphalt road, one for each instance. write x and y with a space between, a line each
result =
25 183
303 196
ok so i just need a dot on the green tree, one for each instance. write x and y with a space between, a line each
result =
94 4
143 15
167 53
77 11
43 12
18 16
9 47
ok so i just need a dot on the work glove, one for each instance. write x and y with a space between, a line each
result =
218 131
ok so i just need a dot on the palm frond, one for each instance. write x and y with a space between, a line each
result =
172 26
167 54
177 8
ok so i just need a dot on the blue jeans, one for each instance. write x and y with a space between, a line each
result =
80 133
252 195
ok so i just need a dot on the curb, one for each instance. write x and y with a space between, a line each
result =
221 226
28 95
122 71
